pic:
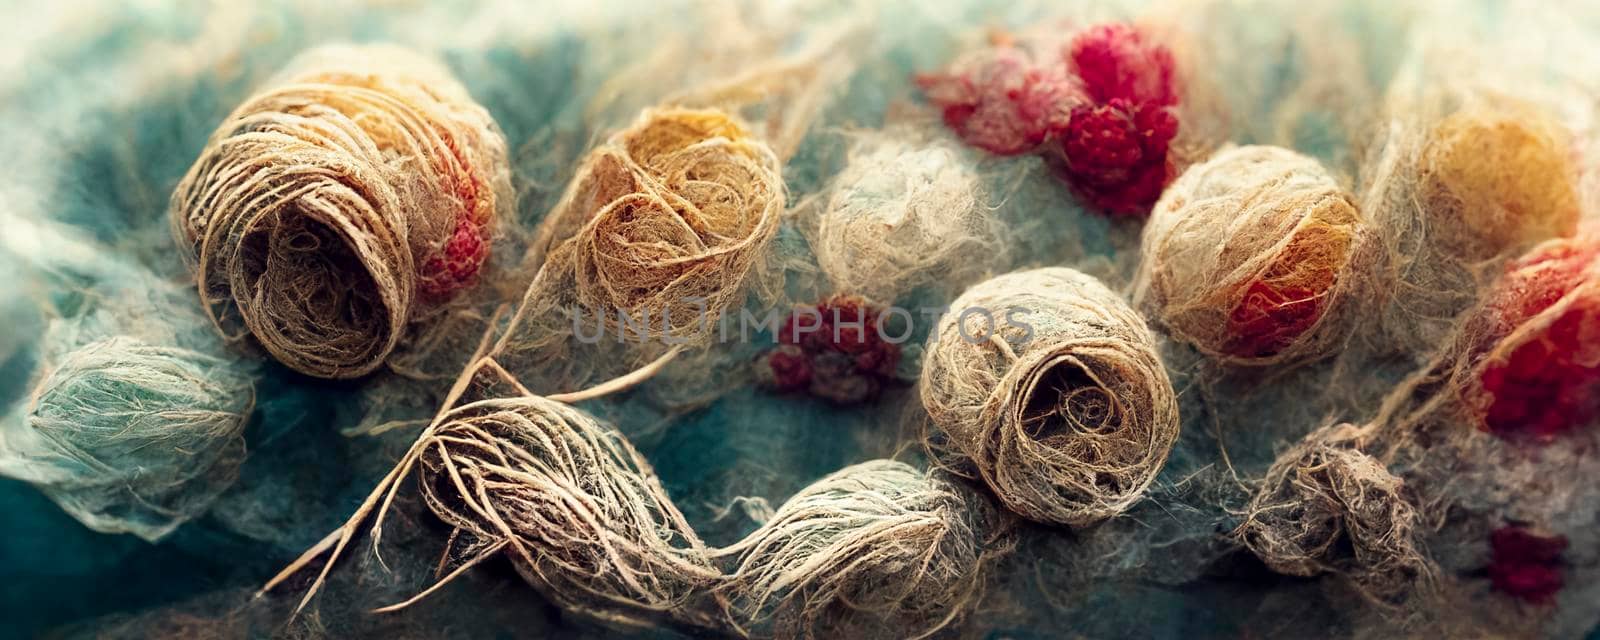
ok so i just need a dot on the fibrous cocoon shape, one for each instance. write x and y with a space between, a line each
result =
904 214
579 513
1457 195
1326 507
130 437
1494 179
664 228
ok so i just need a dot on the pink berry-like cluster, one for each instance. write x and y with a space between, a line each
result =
1101 108
1004 100
833 350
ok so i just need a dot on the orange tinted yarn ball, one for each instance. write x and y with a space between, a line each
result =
1255 256
1498 178
1291 295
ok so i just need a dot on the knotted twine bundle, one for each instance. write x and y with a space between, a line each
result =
356 194
663 230
1326 507
131 437
1256 257
580 514
903 213
1065 410
876 549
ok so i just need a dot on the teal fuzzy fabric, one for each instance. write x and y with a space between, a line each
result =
104 108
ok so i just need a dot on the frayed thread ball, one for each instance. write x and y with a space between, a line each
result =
1256 257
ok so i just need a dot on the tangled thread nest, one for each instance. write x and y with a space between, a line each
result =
666 224
578 511
356 194
876 549
130 437
1069 418
1326 507
1254 257
904 214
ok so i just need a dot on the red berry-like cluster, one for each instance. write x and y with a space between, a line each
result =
1549 383
1102 110
833 350
1115 151
457 263
1526 565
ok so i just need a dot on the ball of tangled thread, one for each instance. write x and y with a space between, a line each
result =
666 225
1255 257
1050 385
357 193
130 437
877 549
1326 507
904 214
579 513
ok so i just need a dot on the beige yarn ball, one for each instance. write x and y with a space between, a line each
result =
1050 386
875 549
905 213
579 513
